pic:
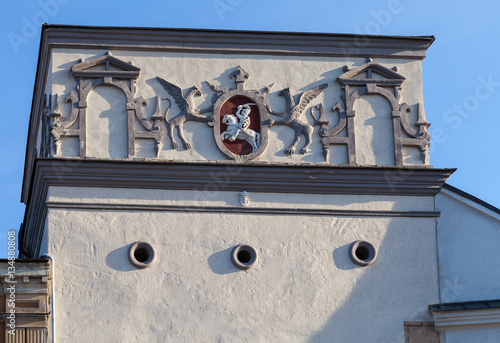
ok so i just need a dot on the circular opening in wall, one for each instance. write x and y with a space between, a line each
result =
141 255
362 253
244 256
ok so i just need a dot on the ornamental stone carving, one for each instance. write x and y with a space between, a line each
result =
239 117
373 78
111 71
291 116
187 111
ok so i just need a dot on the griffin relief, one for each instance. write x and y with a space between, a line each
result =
188 111
291 116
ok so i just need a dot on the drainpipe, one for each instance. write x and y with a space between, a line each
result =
53 296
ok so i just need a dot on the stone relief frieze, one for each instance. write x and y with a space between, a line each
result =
239 117
188 112
110 71
375 79
292 114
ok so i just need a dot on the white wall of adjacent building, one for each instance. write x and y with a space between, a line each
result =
469 268
468 236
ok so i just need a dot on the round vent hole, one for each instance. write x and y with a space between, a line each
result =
244 256
141 255
362 253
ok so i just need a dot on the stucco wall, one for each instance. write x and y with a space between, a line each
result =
106 128
304 287
468 236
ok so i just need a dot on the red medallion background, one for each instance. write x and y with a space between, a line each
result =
239 146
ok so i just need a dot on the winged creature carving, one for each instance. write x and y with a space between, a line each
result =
188 111
291 116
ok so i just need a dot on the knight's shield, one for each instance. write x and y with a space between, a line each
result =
239 129
246 126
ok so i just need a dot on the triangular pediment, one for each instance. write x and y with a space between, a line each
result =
105 66
371 72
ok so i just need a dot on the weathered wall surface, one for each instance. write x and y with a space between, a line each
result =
107 117
304 287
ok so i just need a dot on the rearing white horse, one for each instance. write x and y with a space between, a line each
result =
238 127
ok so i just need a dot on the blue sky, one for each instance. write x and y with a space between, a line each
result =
461 73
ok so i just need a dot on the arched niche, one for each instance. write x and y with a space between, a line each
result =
105 71
372 121
373 130
107 123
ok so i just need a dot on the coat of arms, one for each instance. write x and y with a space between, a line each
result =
240 127
240 119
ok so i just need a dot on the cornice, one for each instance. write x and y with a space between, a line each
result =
218 176
236 41
466 319
232 176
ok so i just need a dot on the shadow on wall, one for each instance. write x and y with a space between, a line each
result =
220 262
118 259
339 259
398 287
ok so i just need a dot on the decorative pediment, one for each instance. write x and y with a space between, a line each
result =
368 79
105 66
371 72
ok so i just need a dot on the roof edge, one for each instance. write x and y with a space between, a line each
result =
471 315
429 38
465 305
471 198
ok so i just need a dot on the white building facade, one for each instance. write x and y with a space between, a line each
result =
222 186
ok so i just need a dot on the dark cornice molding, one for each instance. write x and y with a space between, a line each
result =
243 210
232 176
227 176
207 41
236 41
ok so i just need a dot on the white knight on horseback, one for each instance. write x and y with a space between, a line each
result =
238 127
